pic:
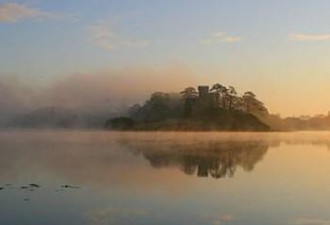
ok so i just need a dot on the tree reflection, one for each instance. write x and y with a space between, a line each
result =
214 159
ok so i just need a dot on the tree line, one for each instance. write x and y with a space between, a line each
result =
228 98
215 108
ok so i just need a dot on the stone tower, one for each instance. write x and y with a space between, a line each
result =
203 92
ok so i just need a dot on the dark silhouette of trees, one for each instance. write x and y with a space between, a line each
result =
252 104
120 123
231 97
219 108
228 98
189 94
217 159
221 92
249 100
160 106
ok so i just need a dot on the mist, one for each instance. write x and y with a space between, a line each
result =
105 92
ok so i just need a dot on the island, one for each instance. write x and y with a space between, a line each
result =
218 108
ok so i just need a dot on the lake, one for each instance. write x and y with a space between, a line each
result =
100 178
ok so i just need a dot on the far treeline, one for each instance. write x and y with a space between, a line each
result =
204 108
215 108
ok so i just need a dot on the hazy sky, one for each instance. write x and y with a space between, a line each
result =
278 49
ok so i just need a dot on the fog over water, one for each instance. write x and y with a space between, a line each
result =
108 91
173 112
97 177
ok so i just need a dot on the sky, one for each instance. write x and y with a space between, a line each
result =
278 49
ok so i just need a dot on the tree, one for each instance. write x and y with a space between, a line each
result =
248 100
189 92
120 123
134 109
189 95
252 104
159 107
221 92
231 96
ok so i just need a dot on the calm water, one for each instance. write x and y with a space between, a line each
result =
101 178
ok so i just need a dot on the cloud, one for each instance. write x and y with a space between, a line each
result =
13 12
108 39
309 37
310 221
219 37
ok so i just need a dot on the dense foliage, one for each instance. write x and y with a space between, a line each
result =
219 108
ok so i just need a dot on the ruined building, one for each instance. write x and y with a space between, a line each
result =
206 98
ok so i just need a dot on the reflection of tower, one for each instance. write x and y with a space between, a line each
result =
207 158
203 169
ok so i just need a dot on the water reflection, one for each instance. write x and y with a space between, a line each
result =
96 178
78 156
216 159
